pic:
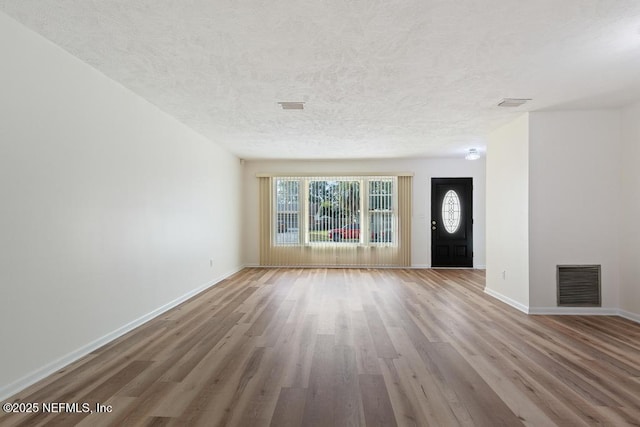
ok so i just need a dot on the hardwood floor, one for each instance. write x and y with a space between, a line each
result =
307 347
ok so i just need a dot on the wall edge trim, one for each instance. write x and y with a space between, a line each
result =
634 317
505 299
574 311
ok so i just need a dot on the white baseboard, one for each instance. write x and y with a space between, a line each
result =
574 311
567 311
513 303
43 372
584 311
423 266
629 315
428 266
381 267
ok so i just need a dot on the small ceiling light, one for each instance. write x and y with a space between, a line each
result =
513 102
472 154
292 105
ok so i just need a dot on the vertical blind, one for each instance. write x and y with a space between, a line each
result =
350 220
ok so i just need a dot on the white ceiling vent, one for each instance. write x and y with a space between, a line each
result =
513 102
292 105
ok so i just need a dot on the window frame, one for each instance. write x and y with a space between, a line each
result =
275 217
393 211
365 214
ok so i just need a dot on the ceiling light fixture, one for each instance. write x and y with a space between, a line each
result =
292 105
472 154
513 102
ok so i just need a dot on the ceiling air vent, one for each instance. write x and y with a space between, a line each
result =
579 286
513 102
292 105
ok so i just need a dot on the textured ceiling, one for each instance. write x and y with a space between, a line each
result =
378 78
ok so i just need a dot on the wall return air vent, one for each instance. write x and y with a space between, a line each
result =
579 286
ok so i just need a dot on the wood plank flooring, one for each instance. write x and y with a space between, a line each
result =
353 347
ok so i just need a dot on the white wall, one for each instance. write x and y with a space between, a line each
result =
424 170
508 213
574 199
109 208
630 213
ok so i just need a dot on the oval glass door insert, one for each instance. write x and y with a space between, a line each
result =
451 211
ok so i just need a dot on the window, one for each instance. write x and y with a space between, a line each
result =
334 210
308 220
381 212
451 211
334 213
286 220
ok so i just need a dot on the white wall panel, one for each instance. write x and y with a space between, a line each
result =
574 199
109 208
630 212
508 213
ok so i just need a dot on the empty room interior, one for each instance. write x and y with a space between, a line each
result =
324 213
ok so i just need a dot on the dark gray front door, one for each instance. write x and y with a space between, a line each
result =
451 222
